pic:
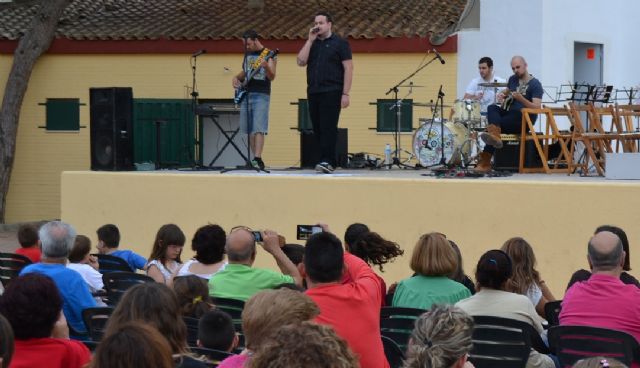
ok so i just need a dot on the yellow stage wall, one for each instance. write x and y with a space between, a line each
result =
557 218
41 156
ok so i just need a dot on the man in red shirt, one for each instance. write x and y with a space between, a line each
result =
351 308
603 300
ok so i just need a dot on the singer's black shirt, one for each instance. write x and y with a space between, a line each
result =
325 72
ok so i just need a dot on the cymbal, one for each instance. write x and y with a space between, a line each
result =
493 84
431 105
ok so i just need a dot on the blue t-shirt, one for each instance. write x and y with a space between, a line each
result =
73 289
532 90
135 261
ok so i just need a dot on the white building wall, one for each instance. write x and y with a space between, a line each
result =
544 31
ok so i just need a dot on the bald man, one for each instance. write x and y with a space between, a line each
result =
524 91
604 300
239 280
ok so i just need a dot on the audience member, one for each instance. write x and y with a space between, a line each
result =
239 280
33 306
266 312
352 308
306 345
599 362
6 342
135 344
525 279
81 261
164 260
604 300
216 331
193 295
492 273
441 339
295 252
208 244
433 260
353 232
583 275
57 240
108 243
29 242
156 305
459 275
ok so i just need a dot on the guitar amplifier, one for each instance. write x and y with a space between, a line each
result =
508 157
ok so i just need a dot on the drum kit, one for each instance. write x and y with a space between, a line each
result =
458 136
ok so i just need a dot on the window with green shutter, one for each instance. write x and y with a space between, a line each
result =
386 116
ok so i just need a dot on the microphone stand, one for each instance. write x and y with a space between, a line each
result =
194 105
440 101
247 164
396 154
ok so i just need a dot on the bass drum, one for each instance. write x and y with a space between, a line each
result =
427 143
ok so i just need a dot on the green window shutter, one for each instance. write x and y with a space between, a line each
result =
386 116
63 114
304 120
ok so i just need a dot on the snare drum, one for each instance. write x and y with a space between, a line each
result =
427 143
466 111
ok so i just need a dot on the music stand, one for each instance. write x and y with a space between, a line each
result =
395 161
247 164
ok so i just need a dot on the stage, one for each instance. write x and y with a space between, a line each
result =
555 213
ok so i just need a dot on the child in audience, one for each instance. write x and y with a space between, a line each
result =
30 242
81 261
441 339
134 344
208 244
216 331
525 279
193 295
108 243
164 260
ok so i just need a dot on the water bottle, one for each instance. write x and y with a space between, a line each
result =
387 156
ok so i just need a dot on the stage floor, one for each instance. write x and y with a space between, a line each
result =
555 213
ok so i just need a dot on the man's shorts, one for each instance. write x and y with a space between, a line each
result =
258 105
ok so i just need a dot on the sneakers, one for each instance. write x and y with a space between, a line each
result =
257 163
324 168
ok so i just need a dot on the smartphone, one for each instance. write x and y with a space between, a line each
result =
257 235
316 30
304 232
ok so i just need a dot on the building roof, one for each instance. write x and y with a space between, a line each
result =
228 19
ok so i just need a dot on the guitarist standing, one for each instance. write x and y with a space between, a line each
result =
258 70
524 91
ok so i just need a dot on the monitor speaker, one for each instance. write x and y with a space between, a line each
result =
111 129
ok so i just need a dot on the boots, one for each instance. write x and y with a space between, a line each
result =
492 136
484 163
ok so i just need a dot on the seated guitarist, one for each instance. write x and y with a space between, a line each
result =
523 91
258 70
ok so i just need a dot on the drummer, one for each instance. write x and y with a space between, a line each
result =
486 95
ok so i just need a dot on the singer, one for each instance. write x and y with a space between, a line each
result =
258 70
329 75
523 91
486 95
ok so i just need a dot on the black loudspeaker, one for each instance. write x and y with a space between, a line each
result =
310 151
111 128
508 157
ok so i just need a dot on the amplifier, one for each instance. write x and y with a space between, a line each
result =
508 157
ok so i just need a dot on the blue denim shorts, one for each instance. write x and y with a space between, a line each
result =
258 104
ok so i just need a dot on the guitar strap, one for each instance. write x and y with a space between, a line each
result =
260 59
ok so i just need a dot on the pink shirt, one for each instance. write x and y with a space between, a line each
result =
603 301
353 310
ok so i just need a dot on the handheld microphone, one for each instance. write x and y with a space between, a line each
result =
439 56
315 30
199 52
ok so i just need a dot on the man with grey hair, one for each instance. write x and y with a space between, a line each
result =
603 300
57 239
239 280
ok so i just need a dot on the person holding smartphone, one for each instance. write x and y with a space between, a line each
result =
329 75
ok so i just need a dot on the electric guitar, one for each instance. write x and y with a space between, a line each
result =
508 101
242 90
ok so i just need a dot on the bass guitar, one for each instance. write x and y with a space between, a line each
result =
255 67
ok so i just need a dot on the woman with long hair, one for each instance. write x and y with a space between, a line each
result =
525 279
134 344
208 245
193 295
